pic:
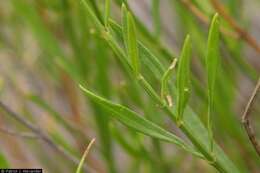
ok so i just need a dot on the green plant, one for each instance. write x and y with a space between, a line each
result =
220 162
158 96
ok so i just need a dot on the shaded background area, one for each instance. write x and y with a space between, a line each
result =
47 47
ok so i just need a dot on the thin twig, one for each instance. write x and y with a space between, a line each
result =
195 11
204 19
39 133
246 121
15 133
220 8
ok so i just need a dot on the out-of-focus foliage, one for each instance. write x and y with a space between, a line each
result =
126 52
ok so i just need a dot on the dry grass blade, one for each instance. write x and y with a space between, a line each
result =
85 155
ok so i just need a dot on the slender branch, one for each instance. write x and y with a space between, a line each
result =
15 133
220 8
246 121
239 32
204 19
39 133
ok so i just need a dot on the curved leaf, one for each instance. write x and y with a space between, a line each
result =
137 122
132 44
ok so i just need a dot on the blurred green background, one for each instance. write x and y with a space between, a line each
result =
48 47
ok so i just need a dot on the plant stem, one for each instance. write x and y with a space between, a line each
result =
245 118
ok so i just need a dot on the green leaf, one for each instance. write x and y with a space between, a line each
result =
137 122
212 61
132 44
146 56
193 127
183 78
107 11
147 59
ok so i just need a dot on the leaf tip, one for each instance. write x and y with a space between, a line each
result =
187 38
82 88
123 6
173 64
215 18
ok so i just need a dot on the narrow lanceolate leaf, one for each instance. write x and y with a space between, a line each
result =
132 44
146 57
79 168
192 124
165 79
212 61
107 11
183 78
137 122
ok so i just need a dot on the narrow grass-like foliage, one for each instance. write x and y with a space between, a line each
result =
139 82
183 79
212 62
219 162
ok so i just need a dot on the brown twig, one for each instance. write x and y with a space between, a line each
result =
204 19
245 118
220 8
40 134
239 32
